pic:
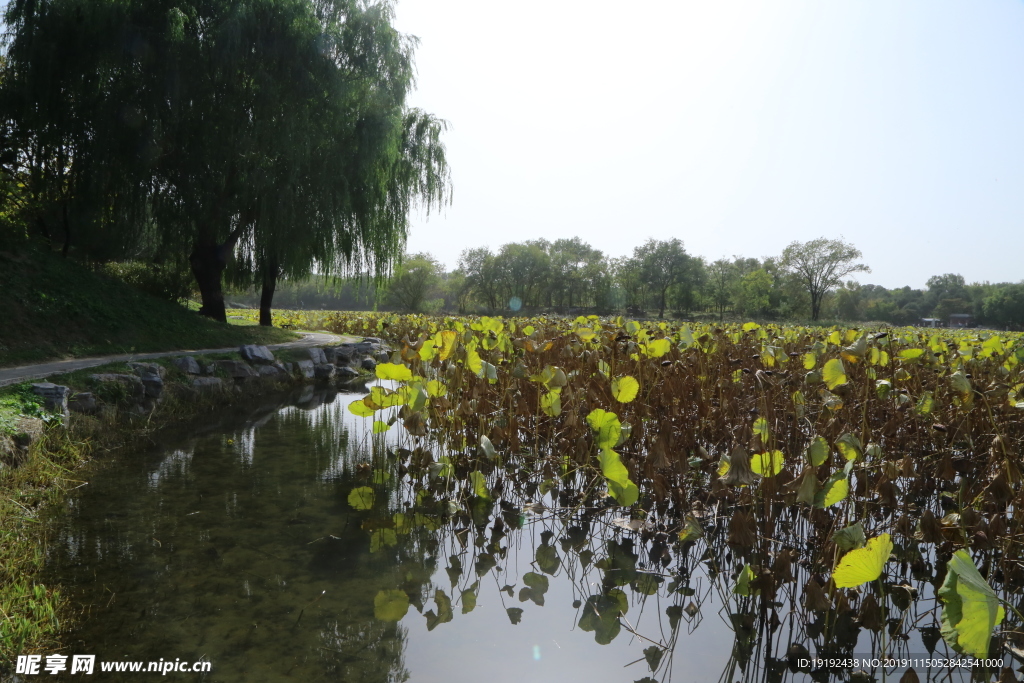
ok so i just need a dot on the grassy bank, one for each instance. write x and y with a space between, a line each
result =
56 308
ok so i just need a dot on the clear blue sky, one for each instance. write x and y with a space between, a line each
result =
737 127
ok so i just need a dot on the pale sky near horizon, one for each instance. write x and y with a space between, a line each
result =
737 127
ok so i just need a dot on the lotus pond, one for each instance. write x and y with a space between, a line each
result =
582 500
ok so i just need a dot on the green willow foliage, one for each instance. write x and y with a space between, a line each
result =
277 128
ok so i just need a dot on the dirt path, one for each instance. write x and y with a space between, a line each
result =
39 370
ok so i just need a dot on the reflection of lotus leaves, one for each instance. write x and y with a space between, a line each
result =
469 597
444 610
620 565
601 615
653 656
390 605
647 584
485 563
547 559
537 586
361 498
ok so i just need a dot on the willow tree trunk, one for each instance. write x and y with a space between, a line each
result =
270 275
208 261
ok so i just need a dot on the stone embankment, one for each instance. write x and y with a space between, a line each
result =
145 385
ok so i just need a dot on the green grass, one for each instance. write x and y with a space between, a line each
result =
30 610
53 307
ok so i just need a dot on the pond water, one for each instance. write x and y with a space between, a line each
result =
235 542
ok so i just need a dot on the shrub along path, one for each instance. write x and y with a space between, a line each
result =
39 370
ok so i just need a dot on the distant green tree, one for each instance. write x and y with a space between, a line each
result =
753 292
820 265
662 265
947 294
722 276
849 301
630 285
481 276
523 271
1005 306
578 274
414 284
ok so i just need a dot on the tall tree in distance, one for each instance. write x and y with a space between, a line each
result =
662 265
722 275
415 279
820 265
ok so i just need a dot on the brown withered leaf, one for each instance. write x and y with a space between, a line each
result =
814 596
742 530
870 615
805 486
887 492
842 601
905 526
907 467
782 568
998 490
739 473
930 528
946 470
910 676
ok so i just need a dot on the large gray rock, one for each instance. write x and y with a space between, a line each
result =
187 364
83 402
152 376
256 354
133 388
306 368
317 355
268 371
55 397
368 364
339 355
144 369
208 383
346 373
323 370
236 369
366 348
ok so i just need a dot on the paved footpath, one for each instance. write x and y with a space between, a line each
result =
26 372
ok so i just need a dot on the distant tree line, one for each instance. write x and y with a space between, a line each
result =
807 281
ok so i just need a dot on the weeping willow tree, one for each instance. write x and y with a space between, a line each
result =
74 143
350 222
204 127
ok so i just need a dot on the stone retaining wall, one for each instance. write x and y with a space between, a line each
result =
256 369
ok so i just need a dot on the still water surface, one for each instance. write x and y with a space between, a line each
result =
233 542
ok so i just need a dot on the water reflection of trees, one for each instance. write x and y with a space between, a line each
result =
735 557
233 546
292 556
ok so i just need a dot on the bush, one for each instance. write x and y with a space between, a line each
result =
168 281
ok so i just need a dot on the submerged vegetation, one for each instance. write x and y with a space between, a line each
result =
830 483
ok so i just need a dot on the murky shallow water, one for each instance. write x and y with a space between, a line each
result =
233 542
